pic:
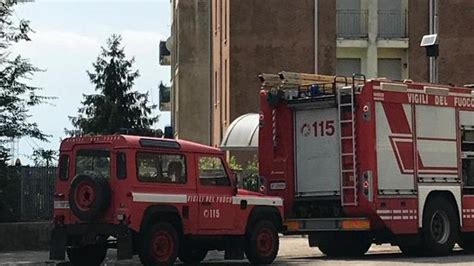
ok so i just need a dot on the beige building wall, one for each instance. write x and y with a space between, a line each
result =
191 70
375 34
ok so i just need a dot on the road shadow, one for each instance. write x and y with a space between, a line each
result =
458 256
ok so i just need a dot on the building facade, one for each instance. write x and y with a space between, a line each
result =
191 70
378 38
250 37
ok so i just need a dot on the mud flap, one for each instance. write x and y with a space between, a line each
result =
124 246
57 249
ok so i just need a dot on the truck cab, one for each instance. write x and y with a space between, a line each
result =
161 199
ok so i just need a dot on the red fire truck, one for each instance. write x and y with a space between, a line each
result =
360 162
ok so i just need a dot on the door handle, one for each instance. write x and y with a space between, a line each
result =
206 203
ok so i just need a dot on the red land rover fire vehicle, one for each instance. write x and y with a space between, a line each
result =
360 162
159 198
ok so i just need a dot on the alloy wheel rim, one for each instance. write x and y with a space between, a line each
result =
439 227
162 246
265 242
85 196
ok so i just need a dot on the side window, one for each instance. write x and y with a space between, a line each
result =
212 172
63 167
121 165
161 168
93 160
467 147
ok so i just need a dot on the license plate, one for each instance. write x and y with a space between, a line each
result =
61 205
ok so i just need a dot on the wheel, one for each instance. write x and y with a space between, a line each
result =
192 255
344 244
88 255
160 245
440 227
89 196
262 243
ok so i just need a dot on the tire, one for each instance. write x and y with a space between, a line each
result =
89 196
88 255
345 244
192 255
262 243
160 245
440 227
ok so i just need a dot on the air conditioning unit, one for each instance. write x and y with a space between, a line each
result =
165 53
165 98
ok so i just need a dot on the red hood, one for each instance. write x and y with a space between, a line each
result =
245 192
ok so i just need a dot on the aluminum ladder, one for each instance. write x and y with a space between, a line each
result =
347 147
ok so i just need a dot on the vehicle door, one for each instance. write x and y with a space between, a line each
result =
216 211
165 179
91 160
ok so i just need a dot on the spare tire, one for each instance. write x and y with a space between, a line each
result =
89 196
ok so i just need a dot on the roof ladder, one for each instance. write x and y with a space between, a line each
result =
347 148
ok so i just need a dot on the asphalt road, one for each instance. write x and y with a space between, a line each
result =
293 251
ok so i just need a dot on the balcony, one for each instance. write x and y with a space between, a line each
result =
392 24
352 24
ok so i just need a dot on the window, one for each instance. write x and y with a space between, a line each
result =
63 167
468 172
121 165
224 12
390 68
467 141
212 172
347 66
97 161
161 168
348 4
467 148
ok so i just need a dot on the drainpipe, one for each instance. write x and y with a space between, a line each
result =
316 41
433 30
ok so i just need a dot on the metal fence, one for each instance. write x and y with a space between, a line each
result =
352 23
27 194
392 24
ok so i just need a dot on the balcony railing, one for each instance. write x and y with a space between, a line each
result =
352 24
392 24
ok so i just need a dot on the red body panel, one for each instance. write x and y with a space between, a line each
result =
275 150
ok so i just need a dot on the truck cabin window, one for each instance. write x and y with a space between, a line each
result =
468 161
161 168
97 161
212 172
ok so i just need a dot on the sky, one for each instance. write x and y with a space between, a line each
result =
67 40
